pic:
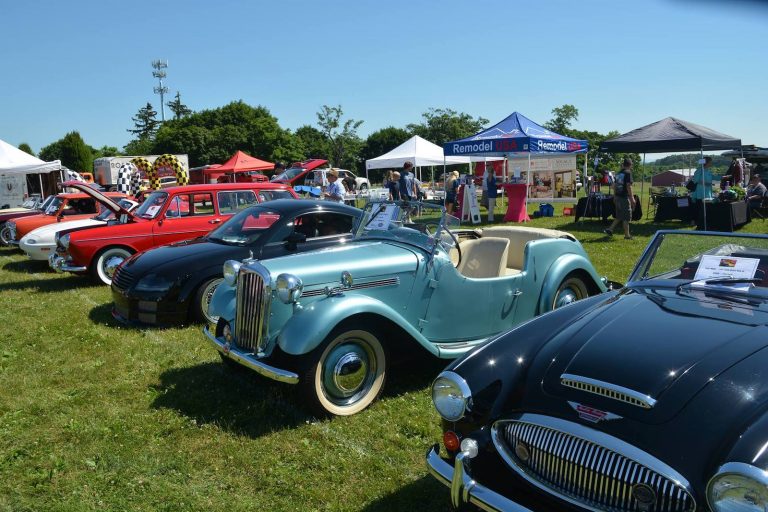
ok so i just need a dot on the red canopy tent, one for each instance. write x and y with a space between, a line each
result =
239 163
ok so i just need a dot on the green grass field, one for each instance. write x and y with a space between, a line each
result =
97 416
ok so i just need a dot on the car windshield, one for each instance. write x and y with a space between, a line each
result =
107 214
53 207
152 205
736 261
46 203
420 224
246 227
288 174
30 202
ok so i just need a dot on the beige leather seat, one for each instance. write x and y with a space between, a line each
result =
519 237
484 258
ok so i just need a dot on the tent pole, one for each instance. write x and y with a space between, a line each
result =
703 202
528 182
642 184
42 190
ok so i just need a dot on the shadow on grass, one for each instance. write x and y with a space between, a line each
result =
102 315
28 266
49 285
412 375
235 400
425 494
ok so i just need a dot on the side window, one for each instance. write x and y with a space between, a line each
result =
271 195
306 225
202 204
174 210
234 201
329 224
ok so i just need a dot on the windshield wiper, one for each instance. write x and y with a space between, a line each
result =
720 280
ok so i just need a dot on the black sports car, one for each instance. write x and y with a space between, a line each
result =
174 283
650 398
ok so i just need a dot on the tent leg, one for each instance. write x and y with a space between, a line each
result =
703 202
42 190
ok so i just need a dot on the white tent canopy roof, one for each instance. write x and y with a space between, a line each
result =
15 161
420 152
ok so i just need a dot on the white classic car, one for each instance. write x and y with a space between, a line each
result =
40 243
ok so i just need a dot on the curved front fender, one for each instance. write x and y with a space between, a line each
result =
223 302
557 272
310 325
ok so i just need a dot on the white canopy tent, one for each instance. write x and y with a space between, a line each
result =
420 152
15 164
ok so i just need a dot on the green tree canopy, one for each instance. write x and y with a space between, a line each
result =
343 141
26 148
441 125
564 116
75 154
178 108
381 141
145 122
313 142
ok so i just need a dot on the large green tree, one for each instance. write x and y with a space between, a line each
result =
313 142
212 136
441 125
178 108
381 141
26 148
344 143
75 153
145 122
564 116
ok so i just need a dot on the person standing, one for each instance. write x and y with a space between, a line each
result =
451 189
407 184
755 191
334 191
491 192
702 180
393 185
623 198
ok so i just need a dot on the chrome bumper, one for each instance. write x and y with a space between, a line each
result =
463 488
59 264
249 361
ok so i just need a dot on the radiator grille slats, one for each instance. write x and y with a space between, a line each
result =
252 301
123 279
586 473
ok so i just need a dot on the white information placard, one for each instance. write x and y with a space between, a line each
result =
381 216
714 267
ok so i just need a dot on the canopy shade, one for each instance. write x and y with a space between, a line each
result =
241 162
669 135
515 134
15 161
420 152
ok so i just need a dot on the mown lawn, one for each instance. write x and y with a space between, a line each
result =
96 416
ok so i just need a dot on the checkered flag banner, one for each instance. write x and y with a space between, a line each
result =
126 175
170 161
73 176
144 166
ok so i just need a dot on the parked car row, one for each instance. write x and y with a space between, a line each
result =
565 392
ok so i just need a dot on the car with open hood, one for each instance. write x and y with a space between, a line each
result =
331 320
62 208
40 243
297 172
653 397
165 216
174 283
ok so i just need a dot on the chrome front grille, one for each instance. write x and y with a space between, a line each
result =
589 468
252 307
123 279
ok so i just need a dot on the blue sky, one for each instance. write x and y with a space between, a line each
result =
85 65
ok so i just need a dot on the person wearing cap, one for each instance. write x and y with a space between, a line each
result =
623 198
334 191
755 191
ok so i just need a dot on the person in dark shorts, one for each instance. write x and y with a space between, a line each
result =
623 198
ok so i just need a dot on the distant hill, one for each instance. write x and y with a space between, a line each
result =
687 161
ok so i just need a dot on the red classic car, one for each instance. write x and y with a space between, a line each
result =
166 216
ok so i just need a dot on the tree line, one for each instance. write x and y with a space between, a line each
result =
213 135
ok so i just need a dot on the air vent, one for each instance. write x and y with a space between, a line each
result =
607 390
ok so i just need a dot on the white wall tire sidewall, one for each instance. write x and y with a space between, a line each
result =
104 257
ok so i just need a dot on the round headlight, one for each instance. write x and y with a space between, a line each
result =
451 396
31 241
231 269
64 241
289 288
738 487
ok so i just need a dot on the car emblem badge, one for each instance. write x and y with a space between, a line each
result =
522 452
591 414
644 495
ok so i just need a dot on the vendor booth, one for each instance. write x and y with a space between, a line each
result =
671 135
15 167
241 167
536 159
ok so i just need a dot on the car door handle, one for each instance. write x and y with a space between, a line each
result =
214 221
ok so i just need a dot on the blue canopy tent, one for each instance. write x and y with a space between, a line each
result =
515 136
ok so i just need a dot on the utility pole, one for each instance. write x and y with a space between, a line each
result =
159 67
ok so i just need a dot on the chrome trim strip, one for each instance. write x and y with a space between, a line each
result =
608 390
249 361
394 281
474 493
596 461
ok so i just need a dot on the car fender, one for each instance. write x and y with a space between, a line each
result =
192 283
557 272
322 316
224 302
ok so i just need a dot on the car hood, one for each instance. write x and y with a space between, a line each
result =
363 260
47 233
108 202
184 257
656 343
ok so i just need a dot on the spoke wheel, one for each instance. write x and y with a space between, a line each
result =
570 290
203 300
5 235
347 372
107 262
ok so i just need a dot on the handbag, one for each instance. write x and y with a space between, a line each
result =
691 185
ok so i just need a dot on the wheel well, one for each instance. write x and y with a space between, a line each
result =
395 338
592 286
117 246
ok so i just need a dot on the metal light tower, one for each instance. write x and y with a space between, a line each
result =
159 73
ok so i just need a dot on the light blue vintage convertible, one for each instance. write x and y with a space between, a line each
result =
329 320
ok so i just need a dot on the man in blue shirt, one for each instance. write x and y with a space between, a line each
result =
334 191
407 185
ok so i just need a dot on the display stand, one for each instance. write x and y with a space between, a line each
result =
470 199
517 195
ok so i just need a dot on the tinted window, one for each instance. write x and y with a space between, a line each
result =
234 201
269 195
314 225
246 227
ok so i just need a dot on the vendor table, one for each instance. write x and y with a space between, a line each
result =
595 206
672 207
724 216
516 207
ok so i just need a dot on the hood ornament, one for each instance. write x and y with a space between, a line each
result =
591 414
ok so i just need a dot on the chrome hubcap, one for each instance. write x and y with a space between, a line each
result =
347 373
111 264
566 297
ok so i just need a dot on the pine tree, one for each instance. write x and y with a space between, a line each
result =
145 122
178 108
